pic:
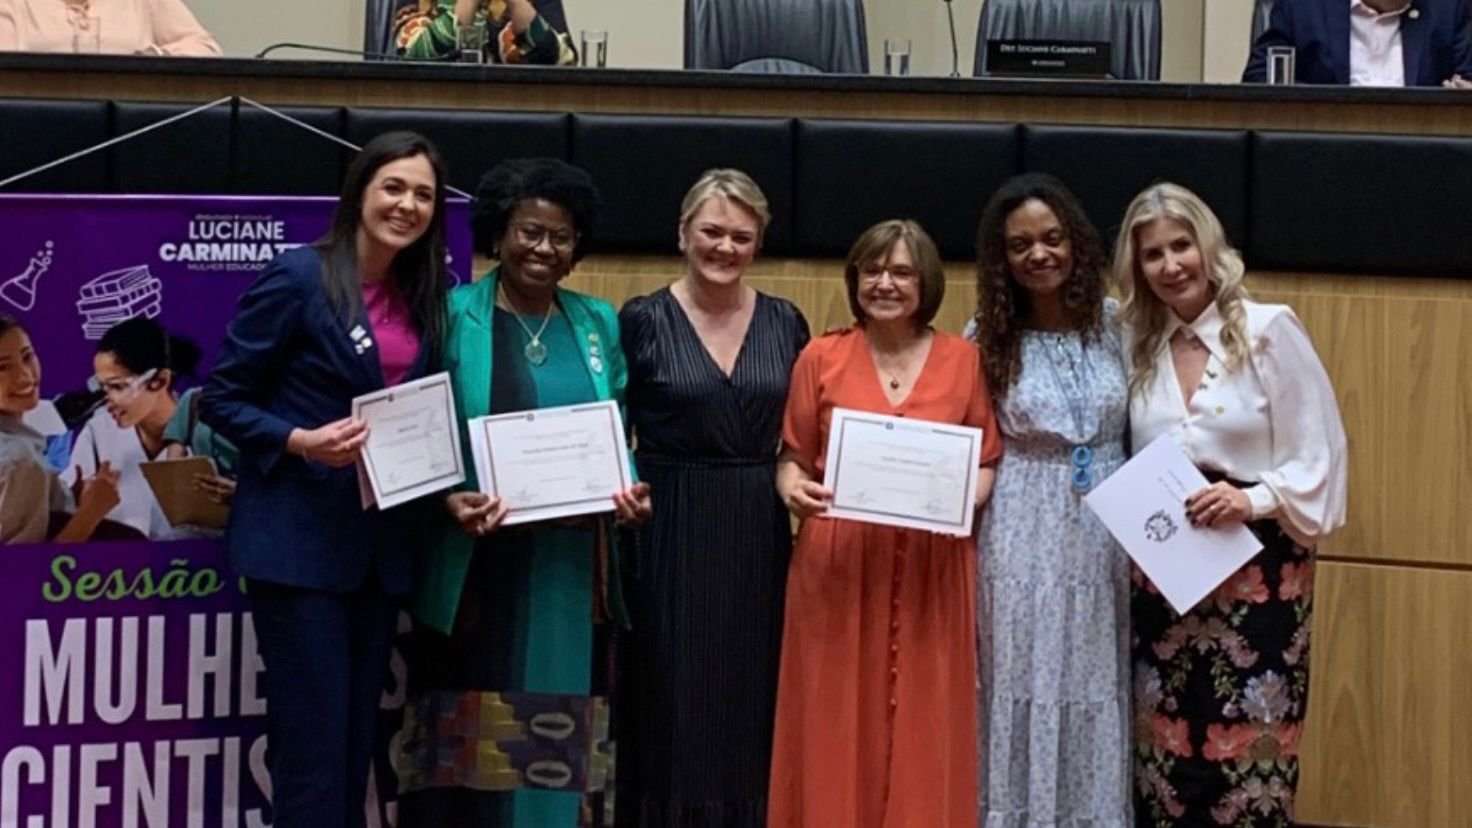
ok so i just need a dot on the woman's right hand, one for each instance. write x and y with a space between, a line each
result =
336 444
807 498
99 493
476 512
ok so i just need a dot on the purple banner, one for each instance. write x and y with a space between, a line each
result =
73 266
131 691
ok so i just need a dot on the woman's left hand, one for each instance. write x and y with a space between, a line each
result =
632 505
1220 504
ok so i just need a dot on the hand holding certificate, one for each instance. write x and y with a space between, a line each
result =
1143 504
552 462
413 445
902 472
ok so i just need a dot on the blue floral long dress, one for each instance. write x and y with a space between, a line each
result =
1053 595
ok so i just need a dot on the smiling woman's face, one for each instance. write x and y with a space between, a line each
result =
20 373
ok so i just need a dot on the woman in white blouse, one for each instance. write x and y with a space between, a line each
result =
1221 692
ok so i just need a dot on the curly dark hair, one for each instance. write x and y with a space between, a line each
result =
1002 305
509 183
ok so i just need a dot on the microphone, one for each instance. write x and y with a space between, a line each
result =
331 50
955 53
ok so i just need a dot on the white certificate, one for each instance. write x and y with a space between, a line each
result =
413 445
1144 506
901 472
552 462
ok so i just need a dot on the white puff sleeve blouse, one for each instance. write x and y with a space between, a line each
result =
1273 422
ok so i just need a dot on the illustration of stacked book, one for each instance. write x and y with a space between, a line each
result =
116 296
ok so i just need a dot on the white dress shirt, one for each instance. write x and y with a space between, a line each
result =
102 439
1376 57
1272 422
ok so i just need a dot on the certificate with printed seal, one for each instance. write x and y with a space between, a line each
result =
897 471
1143 504
413 446
552 462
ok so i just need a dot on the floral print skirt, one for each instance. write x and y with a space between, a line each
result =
1221 693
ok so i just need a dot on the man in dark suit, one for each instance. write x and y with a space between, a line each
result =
1369 42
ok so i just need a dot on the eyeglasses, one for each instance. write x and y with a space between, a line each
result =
532 235
121 386
873 274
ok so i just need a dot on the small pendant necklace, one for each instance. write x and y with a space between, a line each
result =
535 352
1081 455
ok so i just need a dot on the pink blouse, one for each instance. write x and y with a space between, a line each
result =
393 329
160 27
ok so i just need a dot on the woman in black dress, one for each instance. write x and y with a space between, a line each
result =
709 359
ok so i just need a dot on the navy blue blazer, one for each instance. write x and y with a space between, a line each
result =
289 362
1434 40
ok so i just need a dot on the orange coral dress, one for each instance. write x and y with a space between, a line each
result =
876 702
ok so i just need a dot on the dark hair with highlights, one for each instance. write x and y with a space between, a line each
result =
1002 305
509 183
418 271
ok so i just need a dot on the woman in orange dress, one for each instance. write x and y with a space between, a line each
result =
876 702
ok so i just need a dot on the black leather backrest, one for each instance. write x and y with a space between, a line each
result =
33 133
1106 168
644 165
851 174
471 142
276 157
1361 203
155 162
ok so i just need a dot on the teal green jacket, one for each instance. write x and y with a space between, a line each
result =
442 568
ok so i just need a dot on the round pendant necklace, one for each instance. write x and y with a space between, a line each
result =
535 352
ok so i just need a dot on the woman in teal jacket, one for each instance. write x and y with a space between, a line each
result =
506 721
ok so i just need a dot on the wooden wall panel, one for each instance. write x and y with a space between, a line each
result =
963 102
1394 349
1389 737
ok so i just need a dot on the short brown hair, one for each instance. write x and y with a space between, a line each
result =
874 244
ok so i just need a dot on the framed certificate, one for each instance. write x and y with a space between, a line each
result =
1143 504
902 472
413 446
552 462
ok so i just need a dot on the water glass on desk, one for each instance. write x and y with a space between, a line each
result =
897 56
87 35
470 42
594 48
1282 65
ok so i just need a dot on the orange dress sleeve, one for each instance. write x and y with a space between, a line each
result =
979 412
802 432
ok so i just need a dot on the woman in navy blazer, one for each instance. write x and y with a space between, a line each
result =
361 308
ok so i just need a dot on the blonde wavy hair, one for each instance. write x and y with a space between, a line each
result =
1143 311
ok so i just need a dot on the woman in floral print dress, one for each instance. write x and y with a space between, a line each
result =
1221 692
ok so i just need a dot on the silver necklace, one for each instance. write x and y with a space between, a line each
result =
535 352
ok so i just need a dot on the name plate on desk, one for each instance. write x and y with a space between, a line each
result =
1053 58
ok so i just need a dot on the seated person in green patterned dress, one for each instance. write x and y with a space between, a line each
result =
515 31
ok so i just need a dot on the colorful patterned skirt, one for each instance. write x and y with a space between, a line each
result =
1221 693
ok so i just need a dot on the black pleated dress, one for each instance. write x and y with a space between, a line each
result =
704 579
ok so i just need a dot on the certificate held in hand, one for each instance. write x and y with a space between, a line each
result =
413 446
897 471
552 462
1143 505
